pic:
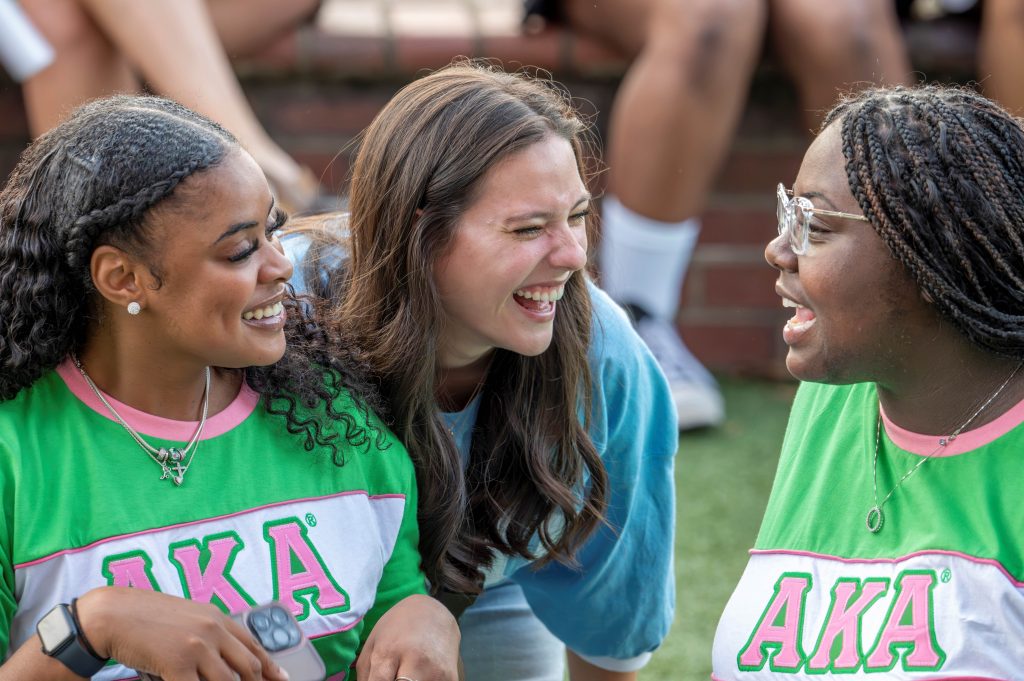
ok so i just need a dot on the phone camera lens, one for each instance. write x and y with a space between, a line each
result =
281 639
259 621
279 616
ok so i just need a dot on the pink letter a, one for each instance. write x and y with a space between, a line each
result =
288 541
784 639
913 597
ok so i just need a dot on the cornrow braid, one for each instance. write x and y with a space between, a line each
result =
83 232
939 173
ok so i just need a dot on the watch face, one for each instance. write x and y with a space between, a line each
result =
55 629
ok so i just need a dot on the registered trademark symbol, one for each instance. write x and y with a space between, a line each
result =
311 521
946 576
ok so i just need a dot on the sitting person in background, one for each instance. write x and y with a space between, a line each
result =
180 49
892 546
173 420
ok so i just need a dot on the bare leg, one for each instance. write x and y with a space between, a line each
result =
836 46
679 104
176 48
248 26
671 125
87 64
1001 53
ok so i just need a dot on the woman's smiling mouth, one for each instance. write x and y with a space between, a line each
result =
539 300
268 317
799 324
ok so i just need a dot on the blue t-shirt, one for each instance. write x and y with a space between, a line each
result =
617 605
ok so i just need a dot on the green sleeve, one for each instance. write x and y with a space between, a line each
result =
7 603
402 573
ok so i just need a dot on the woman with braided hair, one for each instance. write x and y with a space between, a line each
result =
893 543
173 421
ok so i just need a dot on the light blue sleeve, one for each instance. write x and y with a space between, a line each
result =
619 602
296 245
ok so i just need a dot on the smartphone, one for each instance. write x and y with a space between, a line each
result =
278 632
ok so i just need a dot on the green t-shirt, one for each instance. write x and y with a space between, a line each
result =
938 593
258 518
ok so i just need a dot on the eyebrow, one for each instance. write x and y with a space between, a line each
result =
586 198
242 226
819 195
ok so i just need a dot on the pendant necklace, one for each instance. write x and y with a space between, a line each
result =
174 462
461 417
875 518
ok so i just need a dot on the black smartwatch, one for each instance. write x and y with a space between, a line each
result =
63 640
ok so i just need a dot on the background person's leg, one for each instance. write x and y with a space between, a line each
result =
671 126
175 47
86 64
837 46
249 26
1001 53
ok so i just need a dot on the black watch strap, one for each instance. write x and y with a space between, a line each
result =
75 653
81 633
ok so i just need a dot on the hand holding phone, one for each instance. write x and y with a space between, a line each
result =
278 632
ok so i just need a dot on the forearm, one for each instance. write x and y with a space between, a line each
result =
29 662
581 670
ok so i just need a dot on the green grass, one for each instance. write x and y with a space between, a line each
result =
723 477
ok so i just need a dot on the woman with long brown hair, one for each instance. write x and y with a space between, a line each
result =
520 390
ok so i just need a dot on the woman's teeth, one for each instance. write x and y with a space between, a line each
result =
803 315
548 295
264 312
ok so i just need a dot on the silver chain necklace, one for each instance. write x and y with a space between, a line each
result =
875 518
173 462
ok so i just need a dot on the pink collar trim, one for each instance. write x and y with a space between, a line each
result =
157 426
969 440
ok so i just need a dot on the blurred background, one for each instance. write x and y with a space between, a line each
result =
316 87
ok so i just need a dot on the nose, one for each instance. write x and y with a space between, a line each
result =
276 267
780 255
569 250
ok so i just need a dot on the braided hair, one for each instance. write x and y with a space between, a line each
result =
93 180
939 173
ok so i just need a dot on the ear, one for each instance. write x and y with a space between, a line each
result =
119 277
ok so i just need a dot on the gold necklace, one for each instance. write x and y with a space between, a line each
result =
875 518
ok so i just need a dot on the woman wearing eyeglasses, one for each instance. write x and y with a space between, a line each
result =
892 546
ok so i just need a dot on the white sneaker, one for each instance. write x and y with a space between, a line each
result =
698 401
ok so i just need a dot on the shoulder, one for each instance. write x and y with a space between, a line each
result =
46 396
816 403
630 397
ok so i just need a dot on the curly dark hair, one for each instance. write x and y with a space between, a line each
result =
939 173
93 180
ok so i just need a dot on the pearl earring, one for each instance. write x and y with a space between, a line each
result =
134 308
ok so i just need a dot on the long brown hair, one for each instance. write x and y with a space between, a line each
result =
533 469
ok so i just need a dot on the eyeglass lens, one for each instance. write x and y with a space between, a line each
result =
793 218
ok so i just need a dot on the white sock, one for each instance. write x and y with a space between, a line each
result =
643 261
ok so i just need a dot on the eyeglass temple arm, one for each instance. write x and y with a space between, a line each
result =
837 214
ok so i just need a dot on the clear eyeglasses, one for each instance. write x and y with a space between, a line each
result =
795 214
